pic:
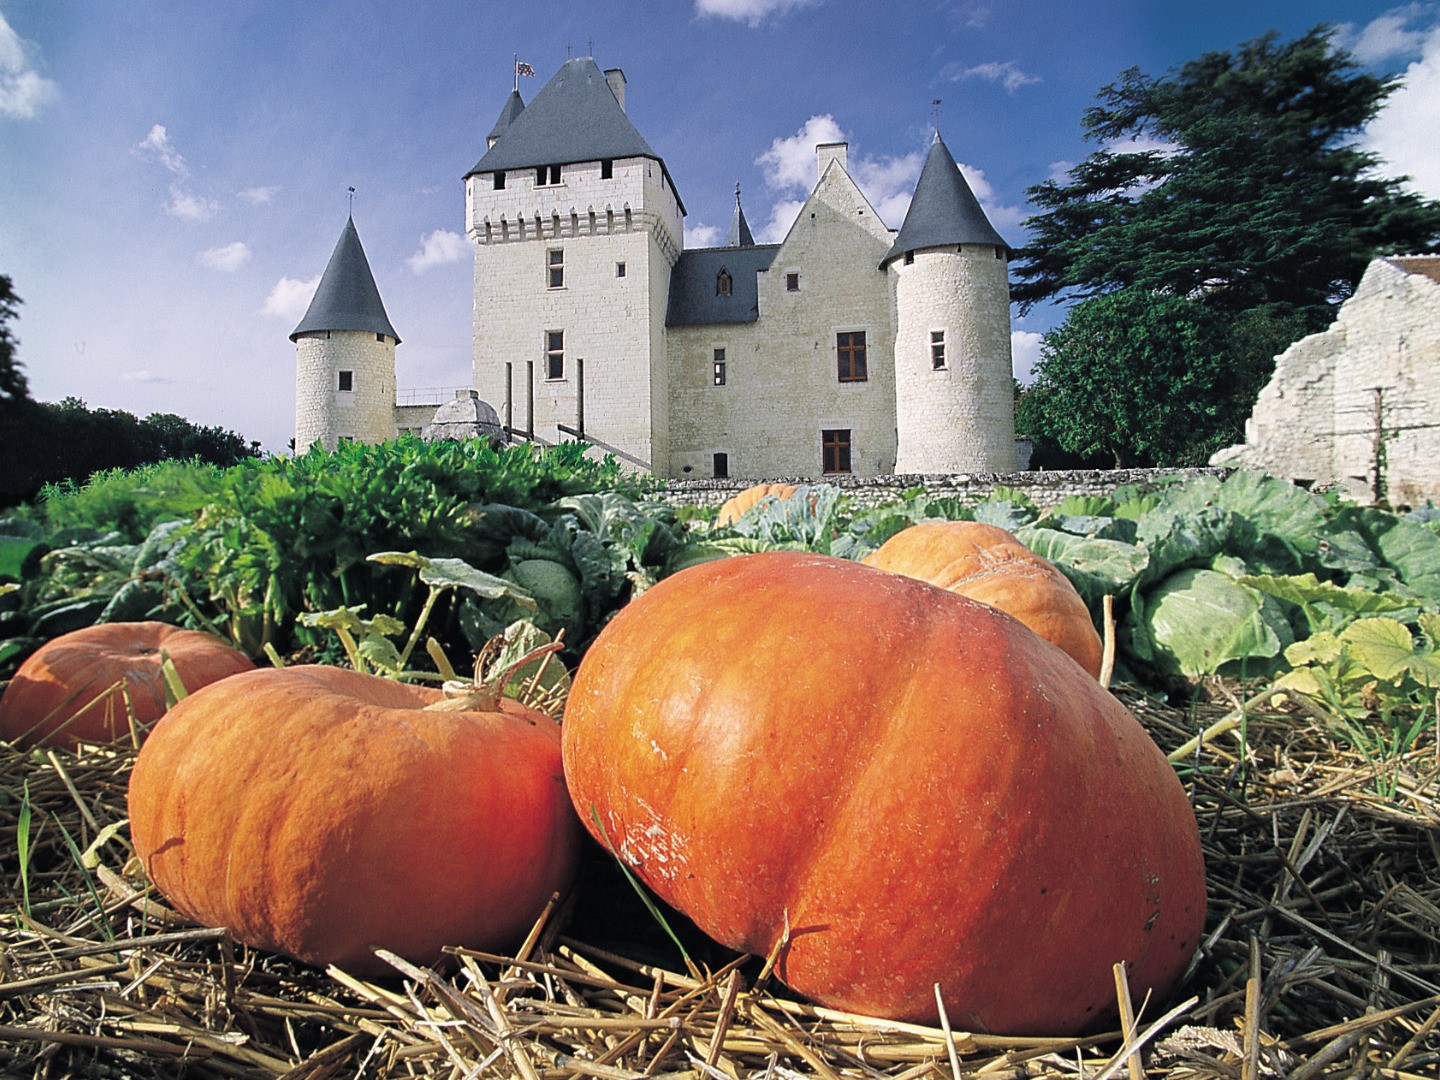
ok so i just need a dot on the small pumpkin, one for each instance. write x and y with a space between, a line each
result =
52 700
901 785
318 811
733 508
986 563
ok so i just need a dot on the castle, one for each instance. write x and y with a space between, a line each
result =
848 348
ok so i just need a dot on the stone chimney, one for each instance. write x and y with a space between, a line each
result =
616 78
825 152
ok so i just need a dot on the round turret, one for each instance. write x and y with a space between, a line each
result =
954 390
345 355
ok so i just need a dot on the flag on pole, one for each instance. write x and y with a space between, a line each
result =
522 68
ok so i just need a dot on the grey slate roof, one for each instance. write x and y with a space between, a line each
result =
739 234
346 298
514 106
944 211
692 285
574 117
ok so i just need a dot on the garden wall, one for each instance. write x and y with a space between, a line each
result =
1044 488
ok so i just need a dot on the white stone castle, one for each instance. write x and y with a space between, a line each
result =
846 348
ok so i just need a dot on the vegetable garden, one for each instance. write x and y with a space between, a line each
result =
1277 646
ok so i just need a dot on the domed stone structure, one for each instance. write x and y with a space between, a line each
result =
467 417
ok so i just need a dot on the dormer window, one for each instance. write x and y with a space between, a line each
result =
546 175
724 284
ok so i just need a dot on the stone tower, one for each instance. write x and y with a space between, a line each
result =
345 355
575 225
954 394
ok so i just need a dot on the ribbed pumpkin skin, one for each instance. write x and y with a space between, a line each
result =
733 508
928 791
986 563
66 674
316 811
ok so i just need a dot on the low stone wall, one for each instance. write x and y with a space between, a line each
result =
1045 489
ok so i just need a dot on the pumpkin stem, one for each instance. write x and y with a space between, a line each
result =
484 693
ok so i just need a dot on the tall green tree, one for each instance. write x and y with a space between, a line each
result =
1141 379
13 385
1236 180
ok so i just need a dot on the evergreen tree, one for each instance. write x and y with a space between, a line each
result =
1242 186
13 385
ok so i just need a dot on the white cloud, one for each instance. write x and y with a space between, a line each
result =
1389 35
700 236
23 90
1403 134
158 147
790 162
751 12
437 249
289 298
1007 73
258 196
889 183
228 258
190 207
782 216
144 376
1024 354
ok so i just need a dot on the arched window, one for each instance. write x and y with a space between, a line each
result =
723 283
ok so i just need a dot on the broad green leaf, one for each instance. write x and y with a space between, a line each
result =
1200 620
1095 567
380 652
458 574
1324 600
1275 508
1384 647
1414 551
522 638
1005 514
1322 648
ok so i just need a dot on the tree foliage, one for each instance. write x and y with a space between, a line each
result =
1140 379
1235 180
13 385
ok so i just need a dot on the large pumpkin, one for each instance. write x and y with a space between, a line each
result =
51 701
733 508
915 787
986 563
317 811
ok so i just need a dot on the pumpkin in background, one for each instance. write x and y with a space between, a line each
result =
733 508
915 787
318 811
986 563
67 674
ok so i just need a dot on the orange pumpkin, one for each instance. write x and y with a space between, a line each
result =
318 811
910 785
52 700
733 508
986 563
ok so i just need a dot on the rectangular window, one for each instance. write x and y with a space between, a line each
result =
619 269
555 354
347 380
850 347
721 466
835 450
937 349
547 175
607 169
499 181
719 364
555 266
792 282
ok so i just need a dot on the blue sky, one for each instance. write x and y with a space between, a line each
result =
174 175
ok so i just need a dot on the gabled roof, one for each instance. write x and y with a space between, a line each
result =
944 211
514 106
693 300
346 298
739 234
574 117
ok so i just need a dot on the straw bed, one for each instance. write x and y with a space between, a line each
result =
1321 956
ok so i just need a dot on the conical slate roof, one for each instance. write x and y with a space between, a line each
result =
575 117
944 211
346 298
514 106
739 234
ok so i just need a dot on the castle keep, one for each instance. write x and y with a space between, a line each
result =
846 348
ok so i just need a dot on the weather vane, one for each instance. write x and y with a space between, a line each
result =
352 201
935 105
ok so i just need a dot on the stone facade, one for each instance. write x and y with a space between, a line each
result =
344 388
1353 407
